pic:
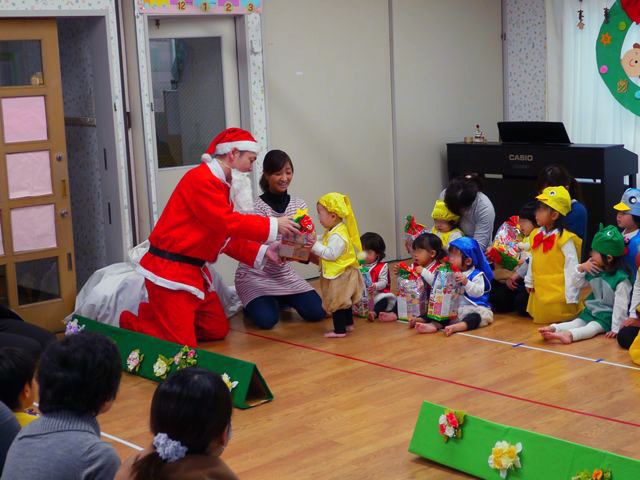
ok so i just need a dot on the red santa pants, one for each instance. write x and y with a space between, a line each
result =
178 316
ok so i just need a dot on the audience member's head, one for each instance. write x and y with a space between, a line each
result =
555 175
462 192
190 414
17 369
80 374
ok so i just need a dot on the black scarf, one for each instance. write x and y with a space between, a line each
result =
278 201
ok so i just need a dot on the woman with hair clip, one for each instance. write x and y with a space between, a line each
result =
265 292
191 423
463 196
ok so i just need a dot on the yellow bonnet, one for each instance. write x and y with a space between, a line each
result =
340 205
441 212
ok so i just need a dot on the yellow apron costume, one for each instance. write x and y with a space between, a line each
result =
444 236
341 283
547 302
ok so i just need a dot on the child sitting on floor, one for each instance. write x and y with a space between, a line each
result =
554 257
475 275
606 306
373 247
628 219
191 421
445 223
341 284
19 388
508 292
427 256
78 378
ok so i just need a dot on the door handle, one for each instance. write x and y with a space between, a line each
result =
64 213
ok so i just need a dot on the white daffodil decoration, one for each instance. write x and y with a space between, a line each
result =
162 367
73 327
504 457
227 380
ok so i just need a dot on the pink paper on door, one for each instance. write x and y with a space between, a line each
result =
33 228
1 241
24 119
29 174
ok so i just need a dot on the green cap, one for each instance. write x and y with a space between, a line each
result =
608 241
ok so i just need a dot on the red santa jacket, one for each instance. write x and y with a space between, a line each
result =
199 222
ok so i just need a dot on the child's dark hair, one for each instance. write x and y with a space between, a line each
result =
80 374
430 242
17 369
528 211
274 161
616 263
462 192
557 175
374 242
192 407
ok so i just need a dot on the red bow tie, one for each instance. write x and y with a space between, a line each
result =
547 242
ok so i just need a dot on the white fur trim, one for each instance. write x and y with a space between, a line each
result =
244 146
206 158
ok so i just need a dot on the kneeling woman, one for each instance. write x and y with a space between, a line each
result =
264 292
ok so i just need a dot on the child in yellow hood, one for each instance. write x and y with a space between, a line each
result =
553 296
445 224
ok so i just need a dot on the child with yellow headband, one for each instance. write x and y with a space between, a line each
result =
445 224
554 257
340 280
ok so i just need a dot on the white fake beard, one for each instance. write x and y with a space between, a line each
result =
241 192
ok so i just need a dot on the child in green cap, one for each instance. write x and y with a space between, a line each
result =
606 306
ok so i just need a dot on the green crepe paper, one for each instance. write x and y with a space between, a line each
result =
252 390
542 457
610 56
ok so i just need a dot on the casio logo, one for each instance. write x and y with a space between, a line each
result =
521 158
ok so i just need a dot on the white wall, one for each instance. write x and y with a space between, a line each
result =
329 97
447 77
327 69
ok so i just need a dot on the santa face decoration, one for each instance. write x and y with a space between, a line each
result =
631 61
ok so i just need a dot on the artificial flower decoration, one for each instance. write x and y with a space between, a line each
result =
450 424
134 360
597 474
73 327
162 367
303 219
227 380
504 457
186 357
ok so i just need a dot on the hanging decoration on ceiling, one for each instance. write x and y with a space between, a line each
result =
581 23
619 68
199 7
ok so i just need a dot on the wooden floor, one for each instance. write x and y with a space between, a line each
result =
346 408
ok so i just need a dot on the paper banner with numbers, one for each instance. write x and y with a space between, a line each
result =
199 7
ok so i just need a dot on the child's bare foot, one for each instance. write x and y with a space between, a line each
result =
564 337
387 317
335 335
547 329
456 327
426 328
350 328
412 322
372 316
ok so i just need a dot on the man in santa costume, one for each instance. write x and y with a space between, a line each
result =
197 225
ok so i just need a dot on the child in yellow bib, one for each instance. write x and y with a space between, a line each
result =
445 224
340 280
554 257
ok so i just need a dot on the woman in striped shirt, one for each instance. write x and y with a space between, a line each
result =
264 292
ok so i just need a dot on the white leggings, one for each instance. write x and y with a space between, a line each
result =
580 330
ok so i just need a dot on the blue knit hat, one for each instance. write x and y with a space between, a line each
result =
470 249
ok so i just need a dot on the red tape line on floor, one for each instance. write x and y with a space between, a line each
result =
440 379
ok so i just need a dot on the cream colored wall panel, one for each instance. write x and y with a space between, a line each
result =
447 78
327 69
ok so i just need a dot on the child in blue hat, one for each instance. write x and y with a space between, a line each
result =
475 275
628 219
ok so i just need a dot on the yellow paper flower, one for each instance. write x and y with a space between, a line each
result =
504 457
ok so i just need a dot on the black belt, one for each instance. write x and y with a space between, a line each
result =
176 257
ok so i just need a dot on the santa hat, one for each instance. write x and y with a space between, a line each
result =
229 139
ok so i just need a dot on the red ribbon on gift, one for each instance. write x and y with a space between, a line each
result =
410 270
412 227
513 221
